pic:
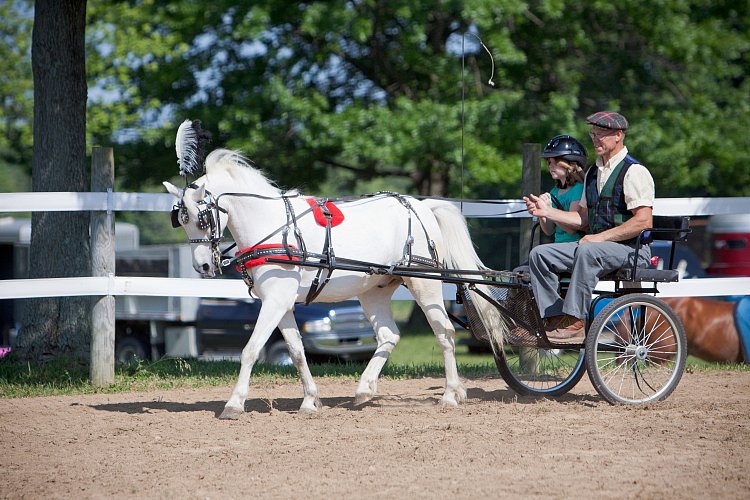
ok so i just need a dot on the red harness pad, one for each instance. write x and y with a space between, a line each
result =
336 216
249 264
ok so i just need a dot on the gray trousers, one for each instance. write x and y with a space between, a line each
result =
586 263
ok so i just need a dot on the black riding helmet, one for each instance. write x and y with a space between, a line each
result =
566 147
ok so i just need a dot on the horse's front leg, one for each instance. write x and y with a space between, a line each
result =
376 303
311 401
270 314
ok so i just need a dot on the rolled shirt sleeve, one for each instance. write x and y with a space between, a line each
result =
638 187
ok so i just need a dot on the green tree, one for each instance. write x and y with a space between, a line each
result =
349 96
368 93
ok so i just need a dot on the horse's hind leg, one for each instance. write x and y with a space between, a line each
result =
288 326
268 318
377 305
429 295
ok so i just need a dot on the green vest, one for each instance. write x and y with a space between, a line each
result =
608 208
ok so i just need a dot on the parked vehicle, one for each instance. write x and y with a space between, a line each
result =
730 249
217 328
207 328
685 260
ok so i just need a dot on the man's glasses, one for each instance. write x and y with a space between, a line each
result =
595 137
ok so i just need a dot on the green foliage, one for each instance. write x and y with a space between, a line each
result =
16 90
342 97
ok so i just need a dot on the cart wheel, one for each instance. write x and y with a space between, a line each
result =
636 350
532 371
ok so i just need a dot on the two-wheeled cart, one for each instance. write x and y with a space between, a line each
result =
635 346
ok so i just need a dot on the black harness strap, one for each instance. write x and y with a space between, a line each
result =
330 257
409 257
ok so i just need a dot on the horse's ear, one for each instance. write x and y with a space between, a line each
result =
172 189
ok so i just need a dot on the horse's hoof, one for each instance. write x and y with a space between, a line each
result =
362 398
448 403
231 413
314 408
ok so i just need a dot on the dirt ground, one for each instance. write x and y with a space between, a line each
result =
169 444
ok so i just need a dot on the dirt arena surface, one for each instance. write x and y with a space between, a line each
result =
169 444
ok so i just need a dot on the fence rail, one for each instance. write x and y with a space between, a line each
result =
157 202
236 289
188 287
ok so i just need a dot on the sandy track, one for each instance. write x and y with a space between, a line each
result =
169 444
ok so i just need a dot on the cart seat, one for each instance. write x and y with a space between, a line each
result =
645 274
666 228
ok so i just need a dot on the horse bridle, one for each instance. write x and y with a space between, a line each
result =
208 219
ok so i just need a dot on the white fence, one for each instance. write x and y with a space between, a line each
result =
114 285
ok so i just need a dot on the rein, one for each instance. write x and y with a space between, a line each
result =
261 252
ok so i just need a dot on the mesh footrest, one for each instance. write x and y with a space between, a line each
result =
517 307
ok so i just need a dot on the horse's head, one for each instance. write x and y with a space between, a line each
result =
199 213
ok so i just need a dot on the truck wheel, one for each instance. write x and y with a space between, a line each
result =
277 354
130 349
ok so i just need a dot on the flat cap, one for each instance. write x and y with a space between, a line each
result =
608 119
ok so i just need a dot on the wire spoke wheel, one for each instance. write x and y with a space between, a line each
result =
532 371
636 350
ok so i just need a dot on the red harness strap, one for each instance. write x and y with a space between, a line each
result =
336 216
258 261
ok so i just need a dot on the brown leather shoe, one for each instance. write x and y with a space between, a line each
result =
571 330
553 322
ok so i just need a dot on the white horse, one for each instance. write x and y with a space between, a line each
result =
375 229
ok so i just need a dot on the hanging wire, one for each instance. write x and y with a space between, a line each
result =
463 94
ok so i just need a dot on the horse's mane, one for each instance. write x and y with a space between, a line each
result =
241 171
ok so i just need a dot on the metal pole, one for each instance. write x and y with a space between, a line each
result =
103 264
531 182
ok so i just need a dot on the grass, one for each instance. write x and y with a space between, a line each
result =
417 355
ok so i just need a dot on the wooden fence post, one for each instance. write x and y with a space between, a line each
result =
531 182
103 264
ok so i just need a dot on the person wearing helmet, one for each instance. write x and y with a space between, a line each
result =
616 205
566 159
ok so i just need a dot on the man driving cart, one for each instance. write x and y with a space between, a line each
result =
616 205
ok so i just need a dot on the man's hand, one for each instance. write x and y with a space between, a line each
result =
592 238
642 219
538 206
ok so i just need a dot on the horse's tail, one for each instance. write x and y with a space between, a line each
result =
459 253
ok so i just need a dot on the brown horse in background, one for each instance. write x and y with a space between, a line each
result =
709 326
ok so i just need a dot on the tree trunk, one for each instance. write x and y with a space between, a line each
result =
59 241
